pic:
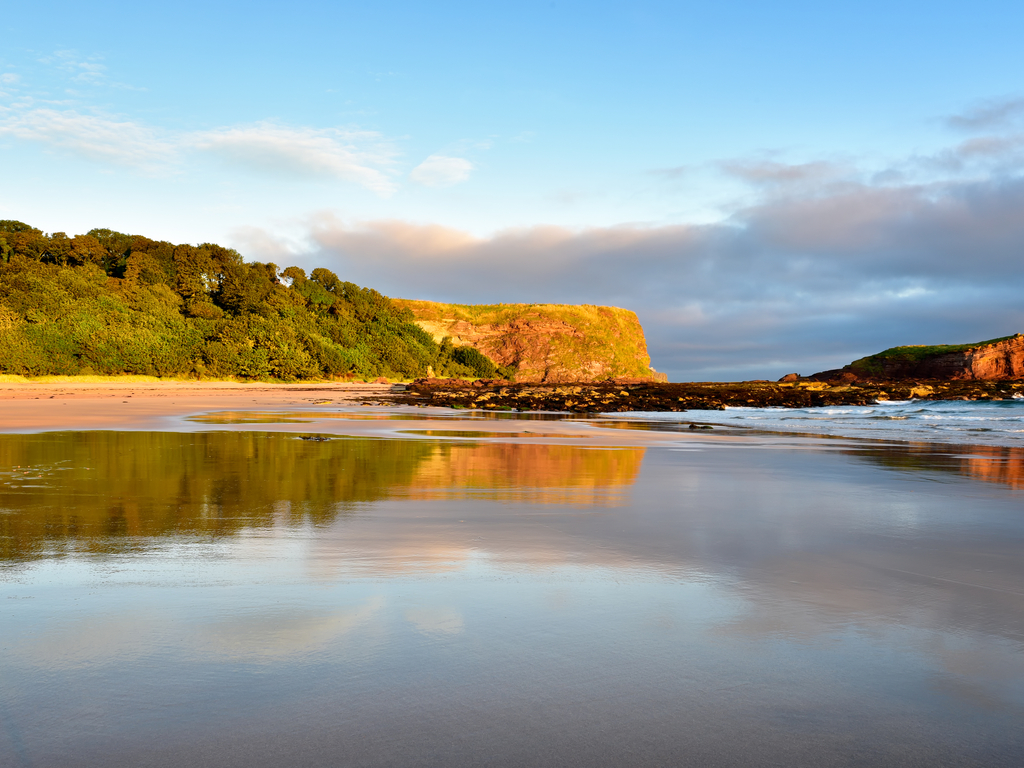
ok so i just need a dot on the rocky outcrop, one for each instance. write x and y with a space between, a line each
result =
608 397
551 343
995 360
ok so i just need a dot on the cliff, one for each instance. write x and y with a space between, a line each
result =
550 343
995 360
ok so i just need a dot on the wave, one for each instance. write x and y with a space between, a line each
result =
955 421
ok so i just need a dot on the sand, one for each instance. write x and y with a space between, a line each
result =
359 409
48 406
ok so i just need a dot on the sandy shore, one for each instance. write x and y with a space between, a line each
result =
319 408
45 406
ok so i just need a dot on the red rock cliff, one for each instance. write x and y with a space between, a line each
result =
995 360
548 342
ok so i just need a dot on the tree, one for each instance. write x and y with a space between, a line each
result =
86 249
10 225
116 246
192 272
243 288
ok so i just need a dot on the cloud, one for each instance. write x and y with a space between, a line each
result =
362 157
9 78
441 171
773 173
991 114
95 137
82 70
672 174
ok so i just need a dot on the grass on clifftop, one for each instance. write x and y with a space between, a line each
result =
494 314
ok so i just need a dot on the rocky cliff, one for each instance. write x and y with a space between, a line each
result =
995 360
550 343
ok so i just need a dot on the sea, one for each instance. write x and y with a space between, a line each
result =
946 421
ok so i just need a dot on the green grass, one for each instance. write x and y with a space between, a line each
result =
923 352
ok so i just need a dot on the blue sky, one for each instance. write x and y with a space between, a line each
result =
772 187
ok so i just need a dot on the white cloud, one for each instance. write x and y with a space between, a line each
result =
83 70
8 78
441 171
100 138
362 157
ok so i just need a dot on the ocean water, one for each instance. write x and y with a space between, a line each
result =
959 422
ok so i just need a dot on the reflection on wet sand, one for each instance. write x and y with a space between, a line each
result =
246 599
538 474
110 491
988 463
297 416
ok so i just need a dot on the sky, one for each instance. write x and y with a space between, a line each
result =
772 187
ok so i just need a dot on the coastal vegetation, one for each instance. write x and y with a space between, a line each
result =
108 303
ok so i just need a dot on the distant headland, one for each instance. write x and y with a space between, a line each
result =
999 359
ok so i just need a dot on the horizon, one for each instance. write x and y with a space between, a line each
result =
771 190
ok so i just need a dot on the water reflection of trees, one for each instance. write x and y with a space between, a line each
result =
988 463
112 491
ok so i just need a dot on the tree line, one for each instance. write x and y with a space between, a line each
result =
110 303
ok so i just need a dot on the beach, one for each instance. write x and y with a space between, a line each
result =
261 575
75 404
355 409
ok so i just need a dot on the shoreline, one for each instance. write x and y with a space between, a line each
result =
73 405
379 411
358 410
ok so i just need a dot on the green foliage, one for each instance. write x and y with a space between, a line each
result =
462 362
111 303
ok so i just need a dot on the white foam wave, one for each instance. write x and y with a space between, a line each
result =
988 422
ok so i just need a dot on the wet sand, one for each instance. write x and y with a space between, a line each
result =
182 586
44 407
341 409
